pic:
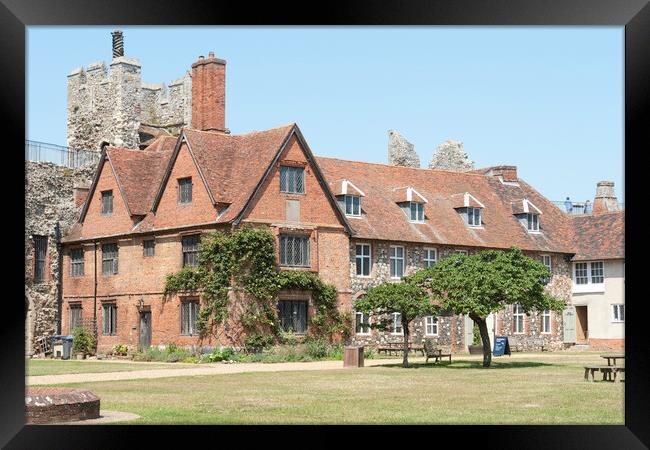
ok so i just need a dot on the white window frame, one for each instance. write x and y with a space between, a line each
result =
357 256
434 322
356 323
620 307
515 314
474 225
358 205
589 286
532 219
549 266
426 258
419 211
396 258
397 322
546 314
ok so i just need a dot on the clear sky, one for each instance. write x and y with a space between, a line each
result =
546 99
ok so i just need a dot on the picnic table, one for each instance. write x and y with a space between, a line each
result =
612 357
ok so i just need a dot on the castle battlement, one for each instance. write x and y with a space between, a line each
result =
108 104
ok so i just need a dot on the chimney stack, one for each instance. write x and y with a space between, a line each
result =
605 200
118 44
209 94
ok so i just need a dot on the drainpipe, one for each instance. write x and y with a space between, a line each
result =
59 282
95 297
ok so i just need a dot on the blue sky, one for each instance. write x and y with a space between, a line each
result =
546 99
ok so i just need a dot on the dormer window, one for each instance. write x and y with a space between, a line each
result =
474 217
416 212
533 221
353 205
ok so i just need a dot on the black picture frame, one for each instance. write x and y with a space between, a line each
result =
634 15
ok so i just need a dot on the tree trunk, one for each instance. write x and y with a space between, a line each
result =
405 330
485 337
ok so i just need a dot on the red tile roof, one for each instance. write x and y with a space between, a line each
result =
383 219
599 236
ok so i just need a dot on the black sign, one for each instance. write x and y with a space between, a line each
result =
501 346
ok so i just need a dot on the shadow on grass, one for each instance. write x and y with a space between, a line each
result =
470 365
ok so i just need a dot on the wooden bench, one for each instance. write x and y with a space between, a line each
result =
430 351
515 343
539 342
608 372
398 347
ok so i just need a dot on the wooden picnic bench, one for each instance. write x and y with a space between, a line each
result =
613 357
434 353
608 372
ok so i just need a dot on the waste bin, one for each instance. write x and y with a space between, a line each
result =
353 356
57 346
67 346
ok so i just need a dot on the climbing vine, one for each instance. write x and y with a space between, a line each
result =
244 261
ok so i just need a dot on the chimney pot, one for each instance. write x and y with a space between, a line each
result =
118 44
605 199
211 55
201 57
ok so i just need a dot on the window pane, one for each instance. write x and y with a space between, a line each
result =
581 273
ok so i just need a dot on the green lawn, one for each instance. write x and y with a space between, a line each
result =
533 390
37 367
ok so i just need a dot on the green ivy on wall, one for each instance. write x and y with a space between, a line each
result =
244 260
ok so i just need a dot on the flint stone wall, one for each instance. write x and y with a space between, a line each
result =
48 201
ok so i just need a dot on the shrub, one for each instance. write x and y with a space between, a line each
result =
288 338
82 341
228 353
368 353
257 342
172 348
317 348
120 349
476 335
336 352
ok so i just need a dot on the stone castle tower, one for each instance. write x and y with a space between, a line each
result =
114 106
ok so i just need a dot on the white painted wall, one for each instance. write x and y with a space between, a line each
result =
599 302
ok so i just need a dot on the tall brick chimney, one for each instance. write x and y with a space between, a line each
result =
605 200
209 94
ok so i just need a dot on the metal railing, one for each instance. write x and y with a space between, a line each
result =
57 154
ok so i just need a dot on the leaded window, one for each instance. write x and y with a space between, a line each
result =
109 259
363 259
107 202
75 317
362 323
474 217
416 212
518 318
40 251
294 251
148 247
185 190
293 315
396 261
189 316
292 180
190 247
77 262
352 205
109 319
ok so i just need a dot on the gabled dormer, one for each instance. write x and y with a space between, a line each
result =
348 197
412 203
469 208
528 215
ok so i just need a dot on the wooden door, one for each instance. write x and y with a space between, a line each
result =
582 330
145 330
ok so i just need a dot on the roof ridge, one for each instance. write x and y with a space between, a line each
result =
405 167
241 134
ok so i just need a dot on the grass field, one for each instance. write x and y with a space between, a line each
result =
527 390
37 367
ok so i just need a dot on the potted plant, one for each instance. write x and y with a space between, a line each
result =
477 347
83 343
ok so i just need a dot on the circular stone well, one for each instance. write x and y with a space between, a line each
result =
57 404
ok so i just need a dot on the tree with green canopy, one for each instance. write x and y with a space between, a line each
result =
484 283
405 298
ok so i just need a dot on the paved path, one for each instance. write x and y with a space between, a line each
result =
203 369
104 417
221 368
